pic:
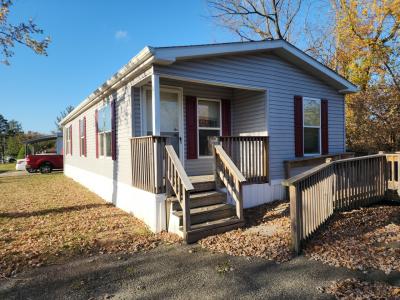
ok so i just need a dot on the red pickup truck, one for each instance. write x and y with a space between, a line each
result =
45 163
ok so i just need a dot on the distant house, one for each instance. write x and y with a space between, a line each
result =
253 104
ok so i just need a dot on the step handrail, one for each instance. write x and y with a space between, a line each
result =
177 180
227 173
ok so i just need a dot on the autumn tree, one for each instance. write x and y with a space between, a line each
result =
367 53
24 33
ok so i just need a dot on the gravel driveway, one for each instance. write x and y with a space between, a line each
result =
179 272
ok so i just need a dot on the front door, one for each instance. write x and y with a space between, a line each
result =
171 117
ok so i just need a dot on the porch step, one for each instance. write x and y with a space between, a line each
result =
200 199
203 230
203 183
208 213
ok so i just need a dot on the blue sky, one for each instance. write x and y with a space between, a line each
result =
91 40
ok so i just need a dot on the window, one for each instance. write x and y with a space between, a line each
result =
312 126
82 137
209 123
104 130
68 140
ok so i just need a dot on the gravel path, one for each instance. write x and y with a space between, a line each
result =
180 272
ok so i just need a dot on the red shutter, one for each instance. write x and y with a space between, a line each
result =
96 119
191 127
113 131
298 126
70 136
324 127
226 117
84 134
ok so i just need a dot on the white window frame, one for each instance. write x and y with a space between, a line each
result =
207 128
82 138
308 126
68 140
106 102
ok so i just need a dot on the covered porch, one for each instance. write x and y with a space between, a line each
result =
190 114
199 144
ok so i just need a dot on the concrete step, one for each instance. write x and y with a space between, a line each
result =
200 199
208 213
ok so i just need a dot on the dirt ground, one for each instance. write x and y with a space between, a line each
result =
181 272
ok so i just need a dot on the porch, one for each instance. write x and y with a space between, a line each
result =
199 144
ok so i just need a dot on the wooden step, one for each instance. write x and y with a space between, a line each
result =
203 183
208 213
203 230
200 199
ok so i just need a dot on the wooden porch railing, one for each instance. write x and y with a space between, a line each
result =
229 175
334 185
393 176
147 154
250 154
177 180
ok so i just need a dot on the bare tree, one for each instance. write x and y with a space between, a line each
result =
61 116
23 33
257 19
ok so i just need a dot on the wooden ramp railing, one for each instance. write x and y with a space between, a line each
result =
229 175
250 155
147 154
338 185
393 167
177 180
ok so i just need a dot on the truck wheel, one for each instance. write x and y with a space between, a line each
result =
45 168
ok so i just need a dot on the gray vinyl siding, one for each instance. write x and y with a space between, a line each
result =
119 169
248 113
282 80
137 125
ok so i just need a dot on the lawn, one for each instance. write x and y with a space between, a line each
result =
46 219
7 167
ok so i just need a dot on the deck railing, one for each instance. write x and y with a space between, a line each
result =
176 180
334 185
250 155
229 175
147 154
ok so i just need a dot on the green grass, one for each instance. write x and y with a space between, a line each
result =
7 167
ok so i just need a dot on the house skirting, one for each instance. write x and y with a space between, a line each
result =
148 207
258 194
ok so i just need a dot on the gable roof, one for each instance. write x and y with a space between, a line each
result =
283 49
168 55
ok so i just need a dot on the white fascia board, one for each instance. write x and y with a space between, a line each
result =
139 62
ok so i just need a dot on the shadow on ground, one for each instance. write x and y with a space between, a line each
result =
179 272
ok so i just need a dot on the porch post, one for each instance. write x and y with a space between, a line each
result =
155 106
155 103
